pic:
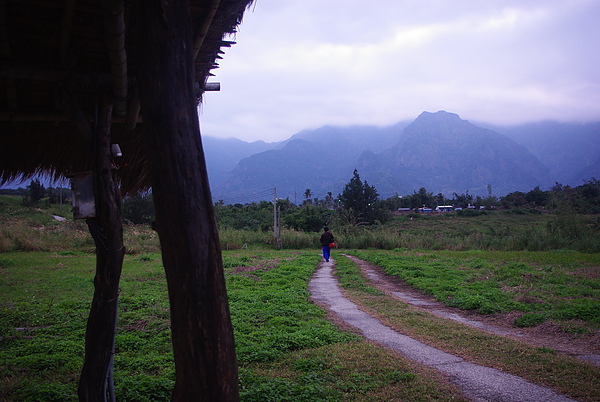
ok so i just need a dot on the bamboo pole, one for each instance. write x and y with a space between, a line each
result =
204 26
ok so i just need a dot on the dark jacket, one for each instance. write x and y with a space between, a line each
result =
326 239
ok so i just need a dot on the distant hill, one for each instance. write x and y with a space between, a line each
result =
222 155
588 172
447 155
376 139
438 151
570 150
318 160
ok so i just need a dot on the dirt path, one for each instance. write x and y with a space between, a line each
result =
547 335
478 383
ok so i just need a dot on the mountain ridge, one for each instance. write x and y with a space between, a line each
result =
445 155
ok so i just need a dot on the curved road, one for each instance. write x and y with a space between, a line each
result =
478 383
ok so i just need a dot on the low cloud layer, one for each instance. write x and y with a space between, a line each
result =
306 63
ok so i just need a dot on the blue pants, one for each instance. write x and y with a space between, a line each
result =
326 252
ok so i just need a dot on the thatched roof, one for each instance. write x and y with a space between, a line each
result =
59 58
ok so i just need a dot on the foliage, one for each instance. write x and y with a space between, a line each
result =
138 209
362 200
274 318
253 216
35 192
422 199
584 199
34 229
308 218
360 205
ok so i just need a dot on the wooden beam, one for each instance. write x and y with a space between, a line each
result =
107 231
205 26
114 26
66 28
203 344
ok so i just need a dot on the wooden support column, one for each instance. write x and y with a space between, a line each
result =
107 230
202 335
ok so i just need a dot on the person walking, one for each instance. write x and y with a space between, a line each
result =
326 242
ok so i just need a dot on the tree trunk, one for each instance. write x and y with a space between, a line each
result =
202 335
107 230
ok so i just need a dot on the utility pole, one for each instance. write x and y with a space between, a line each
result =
275 213
279 227
276 220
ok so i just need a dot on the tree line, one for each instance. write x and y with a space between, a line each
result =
358 204
35 194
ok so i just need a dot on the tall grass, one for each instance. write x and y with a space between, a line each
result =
497 231
35 229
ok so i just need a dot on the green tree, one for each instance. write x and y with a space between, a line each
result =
516 199
53 195
329 200
252 216
393 203
536 197
308 218
307 194
422 199
463 200
35 192
362 201
138 209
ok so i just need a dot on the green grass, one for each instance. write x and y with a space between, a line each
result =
543 366
561 286
34 229
286 347
488 231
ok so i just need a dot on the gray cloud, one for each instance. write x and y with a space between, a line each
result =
306 63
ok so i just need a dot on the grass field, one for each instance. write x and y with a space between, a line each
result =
540 365
287 347
562 286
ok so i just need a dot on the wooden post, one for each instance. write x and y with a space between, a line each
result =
107 230
202 335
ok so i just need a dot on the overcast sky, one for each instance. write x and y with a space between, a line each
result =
302 64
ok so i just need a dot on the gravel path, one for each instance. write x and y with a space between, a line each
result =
479 383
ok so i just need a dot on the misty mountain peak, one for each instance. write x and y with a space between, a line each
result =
442 127
439 116
438 151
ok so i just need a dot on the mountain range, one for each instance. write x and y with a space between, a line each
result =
438 151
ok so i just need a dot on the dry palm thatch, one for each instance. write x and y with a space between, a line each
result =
60 59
